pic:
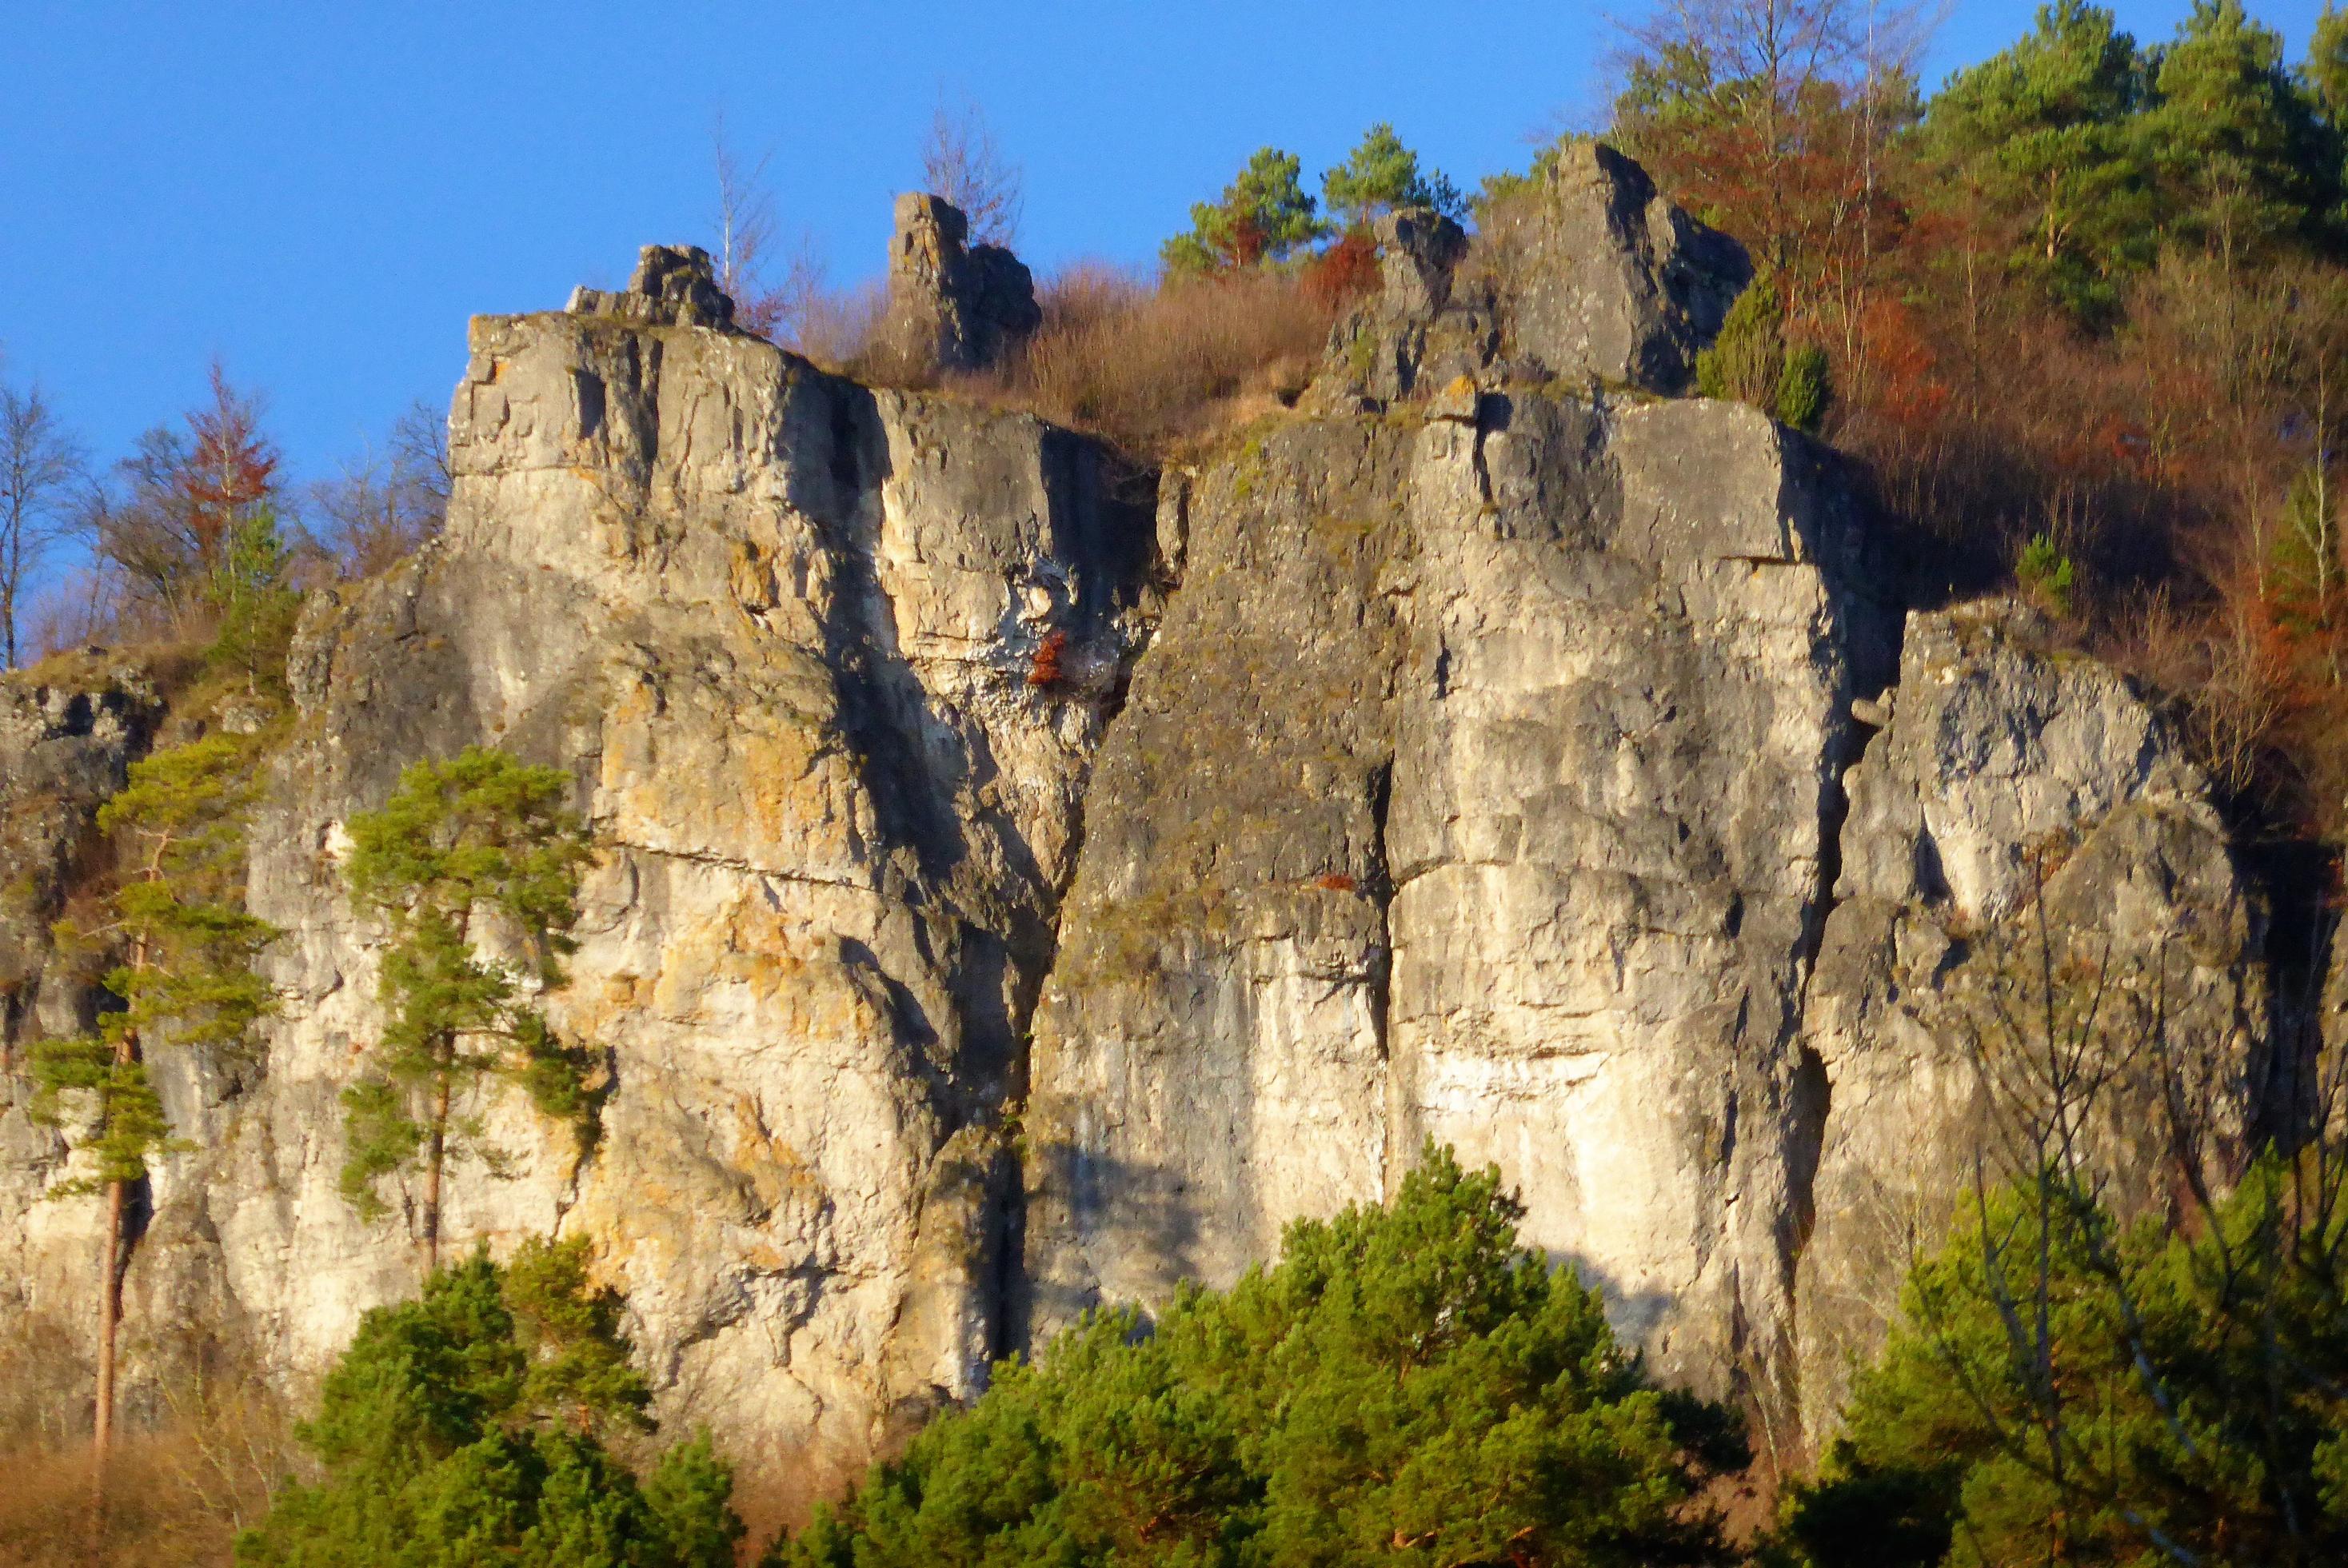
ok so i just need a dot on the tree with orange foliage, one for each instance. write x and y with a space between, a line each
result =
1776 120
171 524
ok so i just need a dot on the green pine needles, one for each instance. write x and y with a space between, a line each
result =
2064 1389
1751 361
470 1427
1262 216
1381 175
474 866
185 946
1409 1385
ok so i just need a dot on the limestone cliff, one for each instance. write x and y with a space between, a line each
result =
1026 881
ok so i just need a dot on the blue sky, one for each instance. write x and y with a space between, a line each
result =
320 194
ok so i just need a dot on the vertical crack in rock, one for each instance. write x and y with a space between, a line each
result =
2306 982
912 764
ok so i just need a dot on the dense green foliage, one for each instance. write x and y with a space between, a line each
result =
185 946
469 1428
2060 1391
2041 134
1752 362
1262 216
255 601
2092 152
1407 1384
474 850
1383 174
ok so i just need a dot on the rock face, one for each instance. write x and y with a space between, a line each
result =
956 306
1486 785
1513 829
1611 280
67 737
2016 806
1591 276
1025 882
783 631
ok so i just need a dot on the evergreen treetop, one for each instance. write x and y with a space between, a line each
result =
1407 1384
185 946
470 1426
475 850
1262 216
1381 175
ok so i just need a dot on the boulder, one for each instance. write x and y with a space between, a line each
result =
1419 331
1606 279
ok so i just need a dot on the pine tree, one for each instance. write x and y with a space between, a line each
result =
2043 137
1408 1384
184 978
1262 216
2325 73
471 1426
2233 141
1751 360
1382 175
465 850
2060 1389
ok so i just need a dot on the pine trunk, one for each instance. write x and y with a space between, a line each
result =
436 1155
109 1321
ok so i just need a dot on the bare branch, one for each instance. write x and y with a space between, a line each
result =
40 464
961 162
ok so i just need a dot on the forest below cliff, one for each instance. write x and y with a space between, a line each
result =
2076 320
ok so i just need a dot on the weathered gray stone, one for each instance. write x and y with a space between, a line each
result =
783 631
1418 333
1468 794
674 286
1543 773
69 730
1606 278
1591 276
2020 804
1485 784
957 307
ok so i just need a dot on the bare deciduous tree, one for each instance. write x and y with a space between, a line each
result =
961 162
385 505
776 288
39 464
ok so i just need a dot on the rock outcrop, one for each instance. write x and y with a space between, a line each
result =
1486 785
1512 829
1026 882
673 286
1589 278
783 631
953 305
2020 808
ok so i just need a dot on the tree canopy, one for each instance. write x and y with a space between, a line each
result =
1263 215
466 850
471 1426
1383 174
1408 1383
2061 1389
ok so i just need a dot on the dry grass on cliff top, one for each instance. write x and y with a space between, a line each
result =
1158 369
